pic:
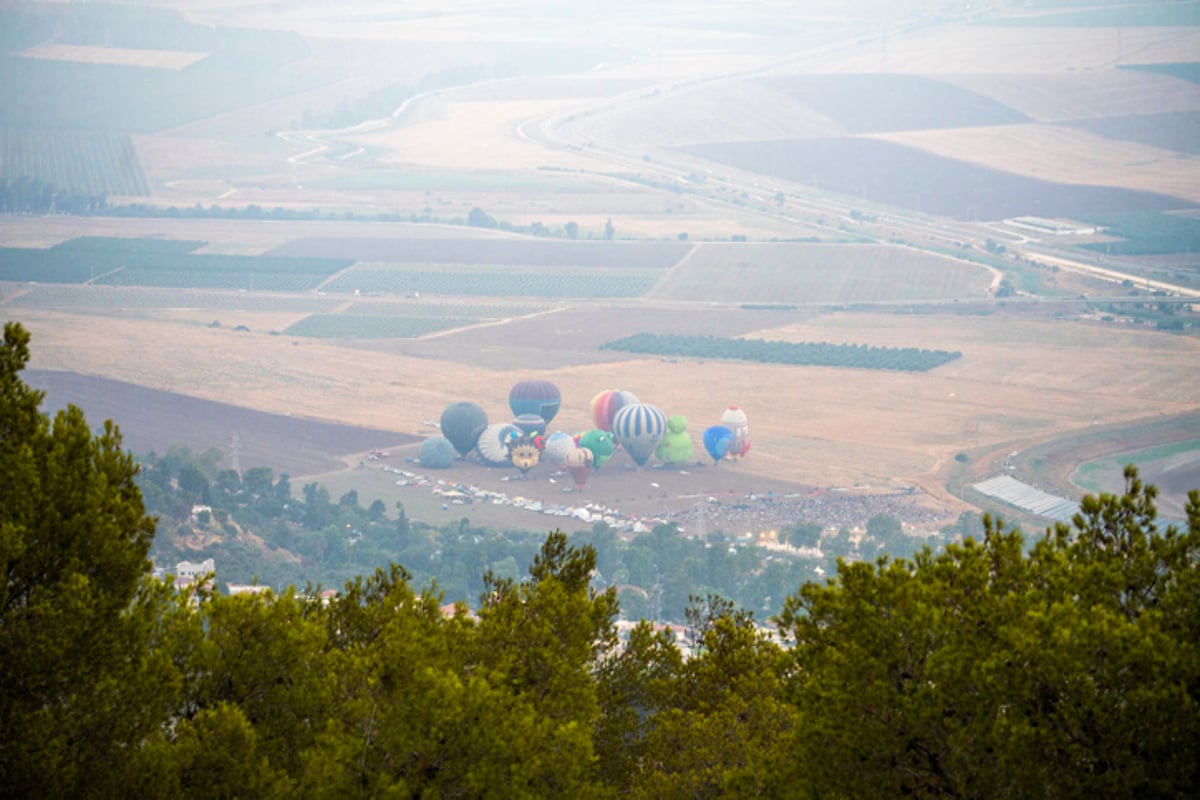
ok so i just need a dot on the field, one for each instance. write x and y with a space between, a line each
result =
91 54
85 162
819 273
880 171
786 173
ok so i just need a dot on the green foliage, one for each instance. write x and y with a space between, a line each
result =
908 359
1146 233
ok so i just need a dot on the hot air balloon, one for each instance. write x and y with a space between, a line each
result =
579 464
535 397
606 405
493 444
557 445
600 443
461 424
531 424
639 428
717 441
437 453
735 419
676 446
523 453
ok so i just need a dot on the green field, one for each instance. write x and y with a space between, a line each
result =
813 354
84 162
161 262
75 296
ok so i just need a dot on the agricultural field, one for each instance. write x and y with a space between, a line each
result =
1064 156
83 162
820 273
125 57
1172 130
371 326
163 263
523 251
879 171
496 280
879 103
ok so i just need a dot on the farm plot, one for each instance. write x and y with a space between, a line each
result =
1065 155
1072 96
417 308
876 103
372 326
883 172
164 263
84 162
495 281
73 296
1147 234
1174 130
512 251
819 273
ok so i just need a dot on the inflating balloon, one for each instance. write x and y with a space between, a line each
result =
676 446
532 424
600 443
493 444
557 445
579 464
437 453
523 452
606 405
535 397
639 428
462 423
735 419
717 441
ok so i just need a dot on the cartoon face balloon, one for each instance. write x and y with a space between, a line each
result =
524 453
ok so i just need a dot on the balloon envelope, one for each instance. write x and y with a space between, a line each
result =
535 397
558 444
735 419
531 424
493 444
579 463
437 453
600 443
461 424
717 441
639 428
523 453
676 446
606 405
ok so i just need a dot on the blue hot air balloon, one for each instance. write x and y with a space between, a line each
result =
639 428
531 424
717 441
535 397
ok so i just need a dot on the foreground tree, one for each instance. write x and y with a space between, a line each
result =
1073 670
80 680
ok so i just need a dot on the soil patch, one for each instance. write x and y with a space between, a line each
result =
153 420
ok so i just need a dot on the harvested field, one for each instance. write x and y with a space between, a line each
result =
1072 96
883 172
494 280
1066 155
526 252
1026 51
819 273
119 56
876 103
1174 130
150 420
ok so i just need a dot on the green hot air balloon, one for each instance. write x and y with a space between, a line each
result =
676 446
461 424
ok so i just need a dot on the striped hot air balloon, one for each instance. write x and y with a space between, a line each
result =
606 404
639 428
